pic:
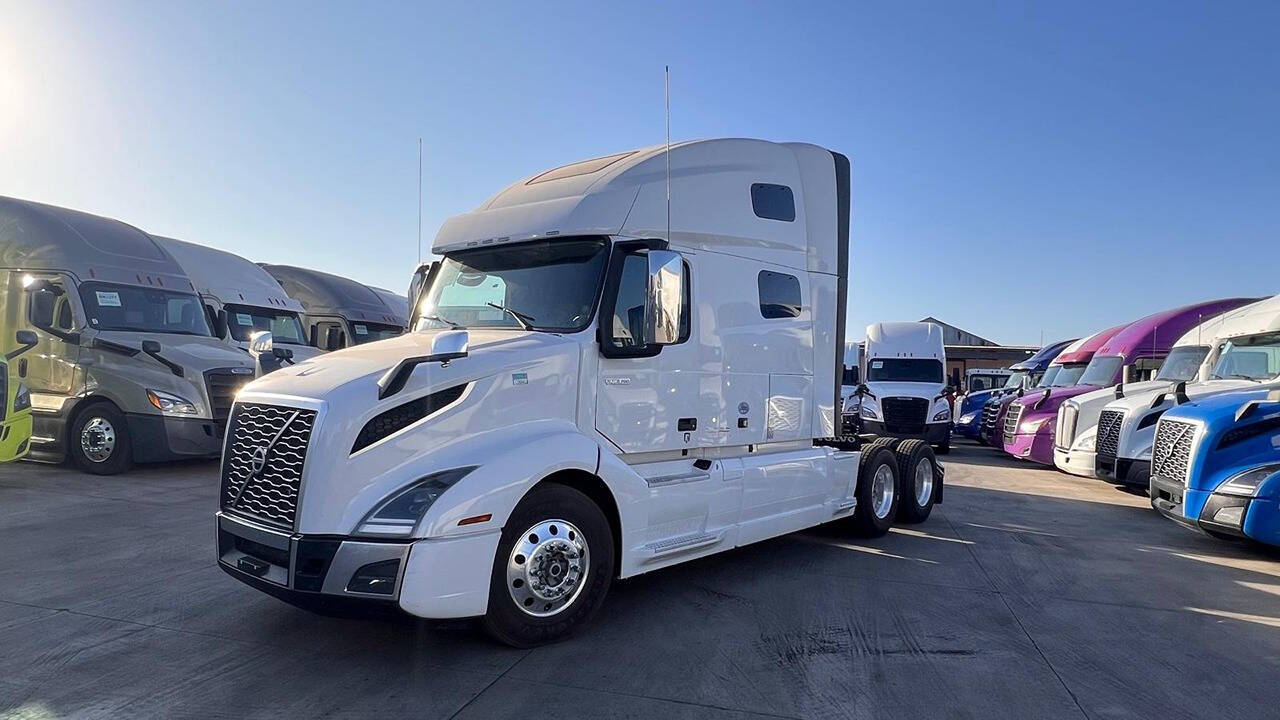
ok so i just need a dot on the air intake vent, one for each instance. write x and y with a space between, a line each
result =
402 416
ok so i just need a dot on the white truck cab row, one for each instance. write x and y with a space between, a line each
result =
599 385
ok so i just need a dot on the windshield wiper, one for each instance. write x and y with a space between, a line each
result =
524 320
450 323
1240 377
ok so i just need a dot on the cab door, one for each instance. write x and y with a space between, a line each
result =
50 307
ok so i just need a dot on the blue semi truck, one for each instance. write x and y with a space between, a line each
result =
969 407
1215 465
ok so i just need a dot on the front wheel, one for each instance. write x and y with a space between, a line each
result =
99 440
553 568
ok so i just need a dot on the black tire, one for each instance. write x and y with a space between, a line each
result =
910 455
865 522
109 423
508 622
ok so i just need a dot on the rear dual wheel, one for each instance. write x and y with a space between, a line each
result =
877 491
919 481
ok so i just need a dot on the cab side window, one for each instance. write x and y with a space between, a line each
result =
625 325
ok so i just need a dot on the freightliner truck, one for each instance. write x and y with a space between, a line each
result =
338 312
126 368
1242 355
904 383
591 393
993 413
1022 375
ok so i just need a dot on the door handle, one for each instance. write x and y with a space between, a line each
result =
687 424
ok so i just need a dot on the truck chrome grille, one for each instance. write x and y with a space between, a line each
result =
222 385
990 413
1171 453
905 414
262 465
1011 420
1108 445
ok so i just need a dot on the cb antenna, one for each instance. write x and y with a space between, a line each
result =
666 77
419 201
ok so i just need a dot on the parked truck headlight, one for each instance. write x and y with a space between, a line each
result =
869 412
399 515
1089 444
1247 482
171 404
22 400
967 418
942 415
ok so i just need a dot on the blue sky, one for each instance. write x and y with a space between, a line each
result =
1123 157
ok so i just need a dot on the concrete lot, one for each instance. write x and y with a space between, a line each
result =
1029 594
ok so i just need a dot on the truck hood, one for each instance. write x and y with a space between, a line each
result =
193 352
928 391
1142 400
359 367
1050 405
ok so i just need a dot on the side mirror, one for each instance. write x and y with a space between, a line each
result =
220 324
333 339
26 339
44 303
664 301
261 343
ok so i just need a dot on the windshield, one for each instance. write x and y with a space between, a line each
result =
142 309
1068 375
367 332
1050 374
245 320
1183 363
1016 379
548 285
1102 370
1254 357
904 370
978 383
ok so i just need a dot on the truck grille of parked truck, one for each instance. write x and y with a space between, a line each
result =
1172 452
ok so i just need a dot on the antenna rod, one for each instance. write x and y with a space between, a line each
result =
666 77
419 201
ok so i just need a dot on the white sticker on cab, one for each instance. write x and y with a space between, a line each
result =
108 299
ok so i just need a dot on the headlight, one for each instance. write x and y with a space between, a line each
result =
1089 444
1247 482
171 404
22 400
869 412
399 515
943 414
967 418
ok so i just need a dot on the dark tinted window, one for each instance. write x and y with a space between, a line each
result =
779 295
904 370
773 202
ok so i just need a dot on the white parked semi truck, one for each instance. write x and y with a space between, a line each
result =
590 394
241 300
904 383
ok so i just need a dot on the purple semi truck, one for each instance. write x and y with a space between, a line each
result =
1127 352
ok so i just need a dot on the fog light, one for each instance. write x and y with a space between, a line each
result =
1229 516
375 578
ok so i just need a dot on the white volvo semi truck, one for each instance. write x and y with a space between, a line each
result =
590 393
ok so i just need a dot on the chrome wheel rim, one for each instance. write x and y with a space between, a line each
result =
548 568
882 491
98 440
924 481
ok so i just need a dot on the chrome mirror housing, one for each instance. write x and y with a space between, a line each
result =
664 301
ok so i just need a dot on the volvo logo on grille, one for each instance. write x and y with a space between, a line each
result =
258 460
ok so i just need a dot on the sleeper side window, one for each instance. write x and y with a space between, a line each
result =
773 202
779 295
